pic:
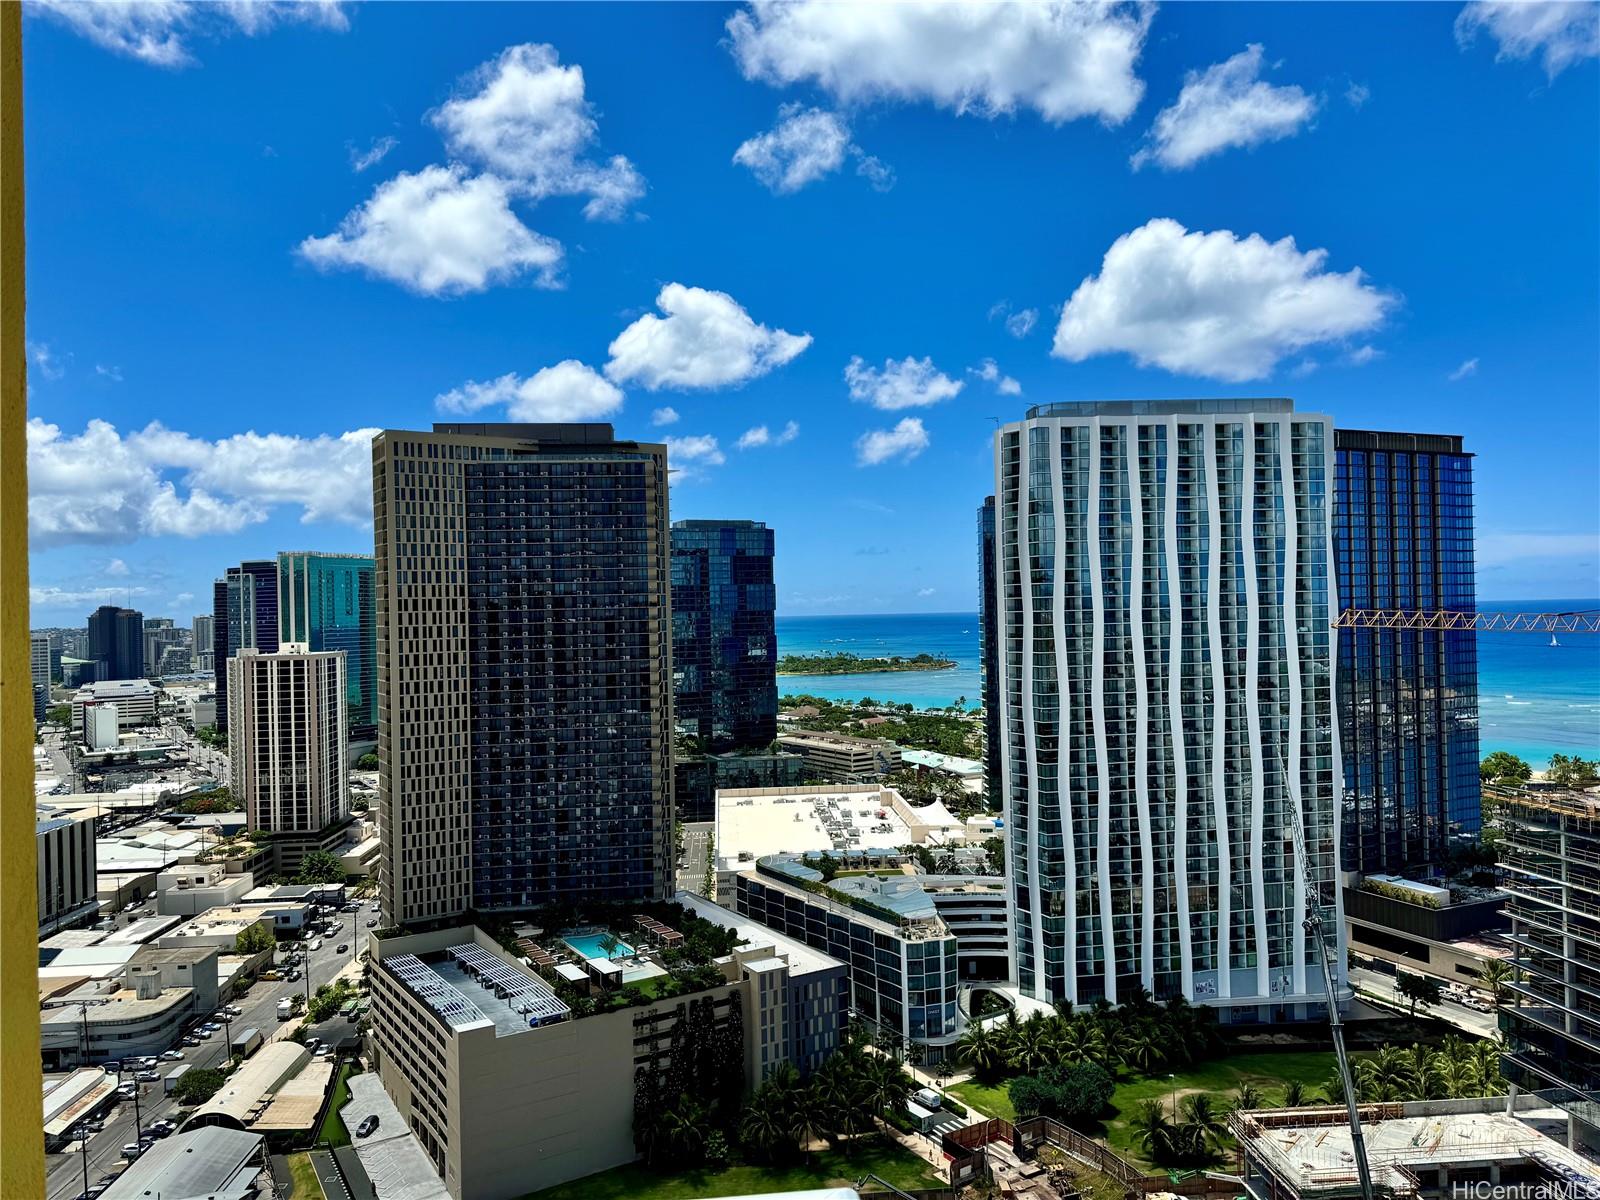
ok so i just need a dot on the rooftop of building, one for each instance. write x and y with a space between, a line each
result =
803 960
754 822
1406 443
935 761
120 1006
1310 1149
823 737
111 689
1159 408
690 523
470 987
212 1162
895 903
576 433
391 1156
247 1090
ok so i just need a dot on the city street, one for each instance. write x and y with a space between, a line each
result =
1479 1024
65 1170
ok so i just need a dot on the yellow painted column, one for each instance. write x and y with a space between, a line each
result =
21 1113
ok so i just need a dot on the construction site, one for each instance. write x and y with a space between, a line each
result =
1429 1149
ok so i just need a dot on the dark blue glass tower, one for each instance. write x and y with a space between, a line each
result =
116 642
724 638
1408 699
244 613
325 603
990 649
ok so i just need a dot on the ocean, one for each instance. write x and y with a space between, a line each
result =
1534 699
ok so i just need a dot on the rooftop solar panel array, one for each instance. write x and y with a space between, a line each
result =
436 993
528 994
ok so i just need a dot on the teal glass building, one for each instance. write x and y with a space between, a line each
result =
325 603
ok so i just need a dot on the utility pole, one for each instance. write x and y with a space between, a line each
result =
83 1145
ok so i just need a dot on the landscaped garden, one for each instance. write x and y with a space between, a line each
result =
1154 1083
333 1131
875 1155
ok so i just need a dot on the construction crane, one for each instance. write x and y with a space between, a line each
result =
1369 618
1469 622
1312 924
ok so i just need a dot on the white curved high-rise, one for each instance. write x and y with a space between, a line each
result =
1164 587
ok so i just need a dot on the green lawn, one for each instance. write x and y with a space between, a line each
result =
333 1131
1268 1071
828 1168
303 1178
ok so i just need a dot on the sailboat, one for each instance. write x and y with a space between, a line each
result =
1553 641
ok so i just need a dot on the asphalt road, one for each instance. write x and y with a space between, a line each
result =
65 1171
1479 1024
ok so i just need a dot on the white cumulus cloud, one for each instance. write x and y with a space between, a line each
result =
909 383
989 371
1224 106
101 487
1213 304
760 435
568 391
666 415
439 232
117 568
159 32
905 441
805 145
1062 60
525 117
1559 32
704 339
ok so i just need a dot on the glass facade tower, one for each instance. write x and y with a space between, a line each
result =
325 602
244 613
1408 698
989 631
116 642
522 591
724 637
1163 591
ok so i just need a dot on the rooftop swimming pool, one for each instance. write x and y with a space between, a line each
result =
588 945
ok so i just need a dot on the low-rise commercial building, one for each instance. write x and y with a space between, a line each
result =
219 1164
141 1011
508 1093
220 927
71 1099
838 756
249 1090
133 699
65 846
193 888
903 958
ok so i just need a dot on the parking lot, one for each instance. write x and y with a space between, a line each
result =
257 1009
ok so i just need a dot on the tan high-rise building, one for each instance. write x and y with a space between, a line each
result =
522 589
287 737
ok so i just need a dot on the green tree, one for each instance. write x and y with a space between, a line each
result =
982 1049
59 714
1418 989
254 940
367 762
1205 1121
1153 1130
197 1085
1246 1098
1503 766
320 867
1572 771
1294 1094
1495 975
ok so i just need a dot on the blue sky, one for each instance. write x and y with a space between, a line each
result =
824 223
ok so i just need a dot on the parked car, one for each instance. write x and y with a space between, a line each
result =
190 1039
372 922
147 1077
112 1066
928 1099
324 1051
172 1056
132 1150
368 1124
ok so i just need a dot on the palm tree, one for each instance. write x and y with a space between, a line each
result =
1145 1050
885 1086
1246 1097
1495 975
765 1127
1078 1040
1032 1049
806 1125
1334 1087
1294 1094
981 1049
1486 1067
1152 1129
1425 1081
1386 1076
1202 1116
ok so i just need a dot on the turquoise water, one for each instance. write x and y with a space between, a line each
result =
1534 699
588 945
